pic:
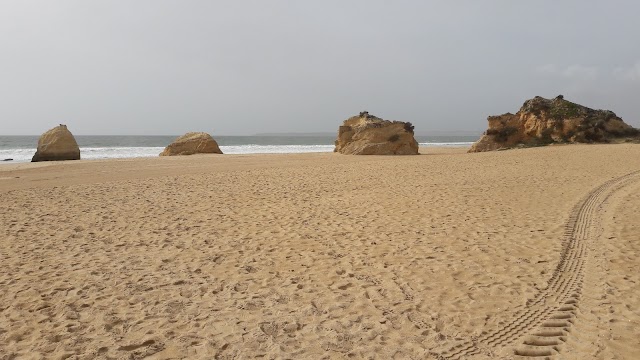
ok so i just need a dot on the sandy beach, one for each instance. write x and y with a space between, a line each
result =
446 255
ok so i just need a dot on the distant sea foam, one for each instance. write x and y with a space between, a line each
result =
22 148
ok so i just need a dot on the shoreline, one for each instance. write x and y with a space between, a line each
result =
114 147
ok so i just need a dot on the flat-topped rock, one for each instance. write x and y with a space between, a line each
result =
192 143
57 144
543 121
366 134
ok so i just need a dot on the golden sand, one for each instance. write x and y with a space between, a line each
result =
445 255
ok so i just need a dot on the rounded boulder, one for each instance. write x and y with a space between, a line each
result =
192 143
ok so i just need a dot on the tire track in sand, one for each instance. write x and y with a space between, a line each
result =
539 328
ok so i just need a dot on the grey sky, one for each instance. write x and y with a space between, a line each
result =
243 67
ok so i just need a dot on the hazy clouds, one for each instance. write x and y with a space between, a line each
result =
244 67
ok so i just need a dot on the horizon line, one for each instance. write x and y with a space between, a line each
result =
318 133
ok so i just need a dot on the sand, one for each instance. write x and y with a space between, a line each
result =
445 255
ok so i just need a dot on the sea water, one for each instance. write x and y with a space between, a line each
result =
22 148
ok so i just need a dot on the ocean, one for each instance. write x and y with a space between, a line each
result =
22 148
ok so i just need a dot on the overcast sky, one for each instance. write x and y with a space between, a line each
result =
243 67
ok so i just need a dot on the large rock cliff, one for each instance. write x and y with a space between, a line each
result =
366 134
543 121
57 144
192 143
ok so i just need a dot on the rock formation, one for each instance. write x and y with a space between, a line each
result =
543 121
366 134
192 143
57 144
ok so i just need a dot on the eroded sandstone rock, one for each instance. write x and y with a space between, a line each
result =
57 144
192 143
543 121
366 134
